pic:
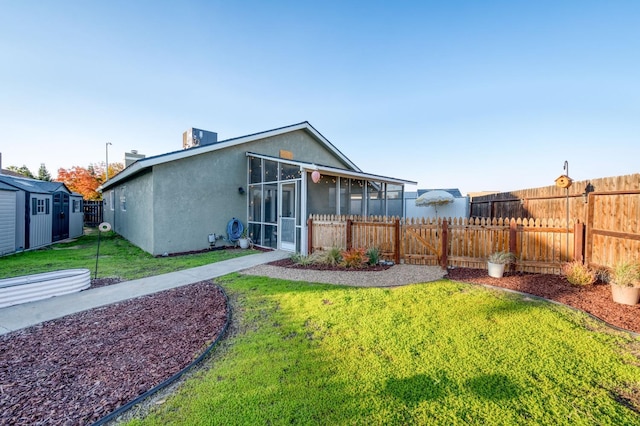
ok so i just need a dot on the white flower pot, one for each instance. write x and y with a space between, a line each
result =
496 270
625 295
244 243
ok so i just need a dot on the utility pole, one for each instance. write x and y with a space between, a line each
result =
107 167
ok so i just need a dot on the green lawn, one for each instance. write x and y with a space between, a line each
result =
442 353
118 258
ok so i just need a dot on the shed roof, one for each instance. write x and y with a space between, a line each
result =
148 162
5 187
34 185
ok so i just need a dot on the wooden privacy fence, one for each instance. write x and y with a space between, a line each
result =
92 212
540 245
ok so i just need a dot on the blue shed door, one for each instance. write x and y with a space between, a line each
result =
60 228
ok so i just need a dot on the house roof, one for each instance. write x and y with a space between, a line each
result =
334 170
148 162
9 173
34 185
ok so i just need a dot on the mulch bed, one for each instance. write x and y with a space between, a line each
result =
595 299
288 263
78 369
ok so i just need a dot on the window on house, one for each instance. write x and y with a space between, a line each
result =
112 200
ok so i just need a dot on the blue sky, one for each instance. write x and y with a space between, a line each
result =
478 95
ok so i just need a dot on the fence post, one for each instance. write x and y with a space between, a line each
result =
445 244
513 242
397 247
349 223
578 242
309 236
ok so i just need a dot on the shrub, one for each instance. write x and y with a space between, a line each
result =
333 256
374 255
301 259
354 258
578 274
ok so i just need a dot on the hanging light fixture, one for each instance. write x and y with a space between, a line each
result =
315 176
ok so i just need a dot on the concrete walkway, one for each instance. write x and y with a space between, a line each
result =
25 315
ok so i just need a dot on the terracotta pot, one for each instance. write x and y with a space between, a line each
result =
496 270
625 295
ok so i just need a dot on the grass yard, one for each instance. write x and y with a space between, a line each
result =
442 353
118 258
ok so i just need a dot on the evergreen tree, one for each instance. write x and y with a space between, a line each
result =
43 173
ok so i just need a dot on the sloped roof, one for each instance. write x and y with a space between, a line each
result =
34 185
335 171
5 187
148 162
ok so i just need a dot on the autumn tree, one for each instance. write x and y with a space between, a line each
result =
86 181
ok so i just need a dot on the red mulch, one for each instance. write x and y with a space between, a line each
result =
595 300
288 263
78 369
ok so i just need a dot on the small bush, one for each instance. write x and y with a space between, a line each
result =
374 255
354 258
333 256
578 273
301 259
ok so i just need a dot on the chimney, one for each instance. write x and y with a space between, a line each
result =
132 157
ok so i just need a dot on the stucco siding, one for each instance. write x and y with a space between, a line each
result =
132 215
197 196
7 222
303 147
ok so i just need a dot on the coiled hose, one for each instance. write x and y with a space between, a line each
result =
234 230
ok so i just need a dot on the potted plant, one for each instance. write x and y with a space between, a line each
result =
625 282
497 262
244 240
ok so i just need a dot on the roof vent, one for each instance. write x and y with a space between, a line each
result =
197 137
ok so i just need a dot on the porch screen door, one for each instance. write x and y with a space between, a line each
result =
287 234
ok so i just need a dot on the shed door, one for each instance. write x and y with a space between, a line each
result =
60 228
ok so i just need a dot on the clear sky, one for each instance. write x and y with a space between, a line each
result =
478 95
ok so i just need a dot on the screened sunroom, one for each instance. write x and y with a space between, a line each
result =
282 193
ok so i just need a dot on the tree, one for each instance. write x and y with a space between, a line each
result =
85 181
24 171
43 173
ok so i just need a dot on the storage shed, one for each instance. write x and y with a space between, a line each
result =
44 212
7 218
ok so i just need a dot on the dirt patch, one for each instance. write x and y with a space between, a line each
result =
595 300
78 369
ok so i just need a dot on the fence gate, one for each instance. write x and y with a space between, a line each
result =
92 212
